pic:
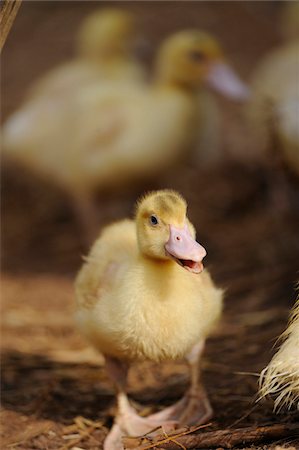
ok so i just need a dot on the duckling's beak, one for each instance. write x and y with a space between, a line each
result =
184 249
223 79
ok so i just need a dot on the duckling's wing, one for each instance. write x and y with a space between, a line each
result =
111 132
64 79
60 137
107 262
102 114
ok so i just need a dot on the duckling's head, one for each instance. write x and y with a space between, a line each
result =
106 33
164 231
193 58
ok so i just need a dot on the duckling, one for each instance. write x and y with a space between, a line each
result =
281 377
104 47
112 134
273 110
143 294
275 101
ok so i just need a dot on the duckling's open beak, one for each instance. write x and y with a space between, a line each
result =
223 79
184 249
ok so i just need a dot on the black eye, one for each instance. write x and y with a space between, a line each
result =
154 220
197 56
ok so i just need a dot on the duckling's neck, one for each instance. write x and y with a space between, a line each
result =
106 56
170 76
163 82
157 265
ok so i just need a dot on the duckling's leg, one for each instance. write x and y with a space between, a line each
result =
117 371
194 407
128 422
198 409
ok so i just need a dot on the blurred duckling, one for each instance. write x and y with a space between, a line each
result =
281 377
275 102
105 52
143 294
274 109
113 134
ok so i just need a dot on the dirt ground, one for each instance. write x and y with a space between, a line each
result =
55 393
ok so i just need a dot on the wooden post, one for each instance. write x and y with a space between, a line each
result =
8 12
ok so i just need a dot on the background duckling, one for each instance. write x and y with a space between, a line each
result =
281 377
206 148
105 52
273 109
111 134
143 294
274 106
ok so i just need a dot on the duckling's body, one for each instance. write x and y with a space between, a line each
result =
142 294
118 132
80 73
132 307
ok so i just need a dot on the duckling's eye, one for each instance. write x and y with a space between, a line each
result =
197 56
154 220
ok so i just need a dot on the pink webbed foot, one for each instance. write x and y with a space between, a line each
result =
193 409
113 440
197 409
134 425
129 423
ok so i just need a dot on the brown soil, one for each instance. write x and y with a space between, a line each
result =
55 391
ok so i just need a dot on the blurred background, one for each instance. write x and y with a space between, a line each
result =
244 204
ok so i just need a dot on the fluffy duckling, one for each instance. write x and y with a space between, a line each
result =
114 134
143 294
281 377
104 46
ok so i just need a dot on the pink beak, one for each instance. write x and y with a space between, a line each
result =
224 80
184 249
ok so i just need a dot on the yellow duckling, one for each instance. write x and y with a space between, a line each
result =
104 46
143 294
281 377
111 134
